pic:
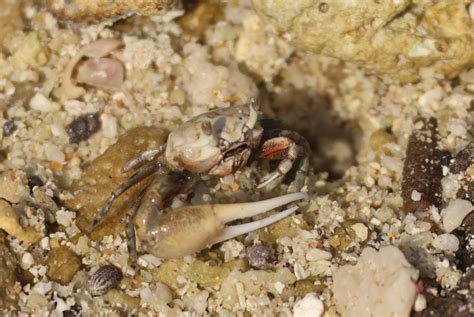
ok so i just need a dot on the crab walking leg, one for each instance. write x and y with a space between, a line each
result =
304 149
276 148
237 230
287 147
141 157
139 175
301 172
130 228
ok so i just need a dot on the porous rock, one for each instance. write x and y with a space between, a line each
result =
8 265
62 264
384 37
382 283
99 10
10 223
104 174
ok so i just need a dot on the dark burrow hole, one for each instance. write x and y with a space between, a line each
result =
333 141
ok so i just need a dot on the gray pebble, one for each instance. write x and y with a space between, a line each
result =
260 256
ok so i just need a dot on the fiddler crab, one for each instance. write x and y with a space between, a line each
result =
217 143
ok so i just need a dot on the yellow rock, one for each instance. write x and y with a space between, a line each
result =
9 222
98 10
395 39
8 265
200 272
62 264
104 174
13 186
29 50
116 297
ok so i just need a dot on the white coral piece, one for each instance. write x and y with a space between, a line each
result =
381 284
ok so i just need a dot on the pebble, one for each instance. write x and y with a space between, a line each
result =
105 278
382 283
27 261
109 124
463 159
9 127
13 186
308 306
279 286
317 255
43 104
420 303
34 181
455 213
54 153
9 222
361 231
83 127
446 242
260 256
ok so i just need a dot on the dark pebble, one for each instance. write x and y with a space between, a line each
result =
83 127
463 159
34 181
260 256
73 312
468 223
9 127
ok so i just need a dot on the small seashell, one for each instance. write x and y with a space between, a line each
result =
105 278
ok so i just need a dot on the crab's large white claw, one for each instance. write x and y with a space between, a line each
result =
230 232
229 212
188 229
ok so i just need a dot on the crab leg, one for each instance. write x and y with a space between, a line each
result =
139 175
130 229
287 147
141 157
237 230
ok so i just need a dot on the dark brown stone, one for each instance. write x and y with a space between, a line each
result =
422 169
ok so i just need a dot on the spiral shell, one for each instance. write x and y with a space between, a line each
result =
105 278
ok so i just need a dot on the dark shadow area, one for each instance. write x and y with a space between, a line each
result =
333 141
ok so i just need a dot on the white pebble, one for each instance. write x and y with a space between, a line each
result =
420 303
42 287
446 242
450 185
44 243
415 196
109 126
308 306
457 127
43 104
279 286
64 217
151 260
382 283
317 255
54 153
361 231
27 261
455 213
